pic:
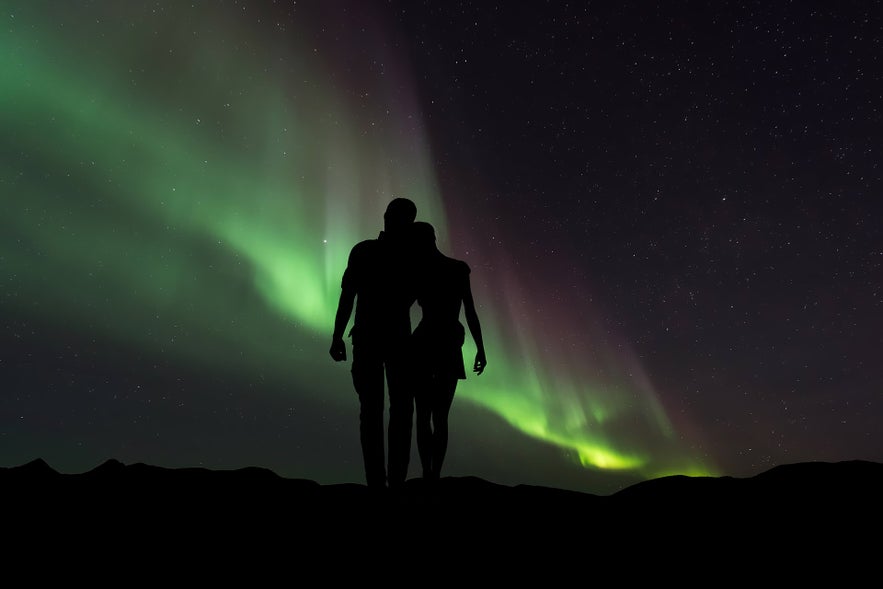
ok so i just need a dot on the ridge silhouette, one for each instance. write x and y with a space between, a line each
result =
799 520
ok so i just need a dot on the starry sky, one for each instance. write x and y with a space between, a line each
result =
671 211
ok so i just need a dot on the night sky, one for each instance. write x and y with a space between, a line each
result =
671 211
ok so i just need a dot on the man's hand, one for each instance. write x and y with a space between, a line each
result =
338 350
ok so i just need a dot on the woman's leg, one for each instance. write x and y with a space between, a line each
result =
442 398
423 405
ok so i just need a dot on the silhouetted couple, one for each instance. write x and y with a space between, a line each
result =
384 277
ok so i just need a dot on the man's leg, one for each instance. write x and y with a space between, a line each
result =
401 417
368 382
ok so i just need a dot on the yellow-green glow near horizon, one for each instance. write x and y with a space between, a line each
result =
180 181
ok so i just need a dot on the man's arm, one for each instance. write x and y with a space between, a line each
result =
344 310
348 289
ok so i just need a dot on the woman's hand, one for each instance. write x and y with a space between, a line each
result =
480 362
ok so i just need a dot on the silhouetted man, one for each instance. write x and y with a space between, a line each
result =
376 277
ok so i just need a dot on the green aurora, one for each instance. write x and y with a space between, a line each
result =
190 180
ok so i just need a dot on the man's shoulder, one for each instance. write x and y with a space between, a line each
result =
372 242
365 244
365 248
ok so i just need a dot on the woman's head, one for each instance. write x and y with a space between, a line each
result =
423 236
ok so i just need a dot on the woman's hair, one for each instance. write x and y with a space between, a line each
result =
423 233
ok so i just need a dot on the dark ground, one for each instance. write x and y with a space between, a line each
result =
807 518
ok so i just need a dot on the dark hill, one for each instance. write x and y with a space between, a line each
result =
810 509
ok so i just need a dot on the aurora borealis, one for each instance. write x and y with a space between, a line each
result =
181 185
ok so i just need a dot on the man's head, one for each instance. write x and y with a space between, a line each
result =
400 213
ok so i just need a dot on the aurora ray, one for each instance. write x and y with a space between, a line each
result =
191 178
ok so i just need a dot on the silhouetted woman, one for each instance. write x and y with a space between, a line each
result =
443 288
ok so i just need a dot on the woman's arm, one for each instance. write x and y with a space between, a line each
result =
474 328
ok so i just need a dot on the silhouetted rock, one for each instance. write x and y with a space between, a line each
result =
811 508
33 470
